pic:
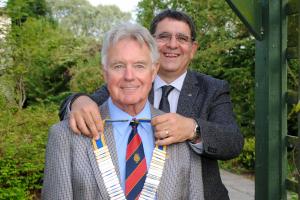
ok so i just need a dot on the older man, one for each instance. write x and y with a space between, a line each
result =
124 163
195 97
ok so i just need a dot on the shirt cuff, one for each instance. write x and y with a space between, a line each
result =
68 110
197 147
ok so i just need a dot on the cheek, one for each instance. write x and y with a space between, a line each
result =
113 78
191 53
146 80
149 81
112 84
160 47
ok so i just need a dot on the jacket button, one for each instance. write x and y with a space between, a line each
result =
212 150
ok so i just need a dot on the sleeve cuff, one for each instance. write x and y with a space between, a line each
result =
197 148
75 96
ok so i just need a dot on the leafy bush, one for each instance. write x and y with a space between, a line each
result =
245 163
86 79
247 157
293 103
7 92
22 148
87 75
43 55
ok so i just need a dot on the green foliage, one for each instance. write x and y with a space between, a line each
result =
245 163
293 196
83 19
87 76
22 149
294 105
247 157
43 55
47 59
80 82
20 10
7 92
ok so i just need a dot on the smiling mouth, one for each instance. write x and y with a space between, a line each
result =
171 55
131 88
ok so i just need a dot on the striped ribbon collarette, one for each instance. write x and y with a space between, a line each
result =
109 174
136 167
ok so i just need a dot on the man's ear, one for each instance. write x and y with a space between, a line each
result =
194 49
155 70
104 73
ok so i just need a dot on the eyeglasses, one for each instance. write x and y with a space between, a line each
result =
166 37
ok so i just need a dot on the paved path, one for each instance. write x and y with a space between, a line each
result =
239 187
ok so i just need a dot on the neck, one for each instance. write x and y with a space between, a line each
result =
132 110
169 77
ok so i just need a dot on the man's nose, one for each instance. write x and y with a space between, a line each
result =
129 73
173 43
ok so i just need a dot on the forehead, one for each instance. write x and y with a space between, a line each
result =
128 49
172 26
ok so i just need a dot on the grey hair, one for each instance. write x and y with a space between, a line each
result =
130 31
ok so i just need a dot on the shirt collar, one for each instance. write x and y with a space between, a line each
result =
117 114
177 83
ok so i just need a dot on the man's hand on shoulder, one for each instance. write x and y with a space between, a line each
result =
85 117
173 128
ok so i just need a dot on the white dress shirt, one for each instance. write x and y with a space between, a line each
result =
173 100
173 95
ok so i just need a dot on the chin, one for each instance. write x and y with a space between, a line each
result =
132 101
168 68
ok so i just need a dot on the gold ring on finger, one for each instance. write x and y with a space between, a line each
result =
167 133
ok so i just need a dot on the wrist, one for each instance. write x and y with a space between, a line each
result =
196 133
76 96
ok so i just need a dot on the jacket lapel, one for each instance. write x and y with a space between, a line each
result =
109 138
97 173
168 175
151 95
168 171
188 94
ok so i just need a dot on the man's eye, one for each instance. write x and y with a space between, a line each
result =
164 37
140 66
117 67
182 38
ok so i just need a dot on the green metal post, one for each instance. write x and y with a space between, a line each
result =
270 100
298 149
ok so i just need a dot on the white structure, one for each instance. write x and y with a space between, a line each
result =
5 58
5 23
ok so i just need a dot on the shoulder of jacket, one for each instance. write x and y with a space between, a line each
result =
207 79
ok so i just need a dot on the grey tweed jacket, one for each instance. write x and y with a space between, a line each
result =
205 99
71 171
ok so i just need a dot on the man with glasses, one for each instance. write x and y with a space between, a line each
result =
199 106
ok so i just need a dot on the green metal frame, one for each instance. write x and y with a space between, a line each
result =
270 100
267 21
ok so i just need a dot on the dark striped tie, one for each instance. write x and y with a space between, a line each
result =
136 167
164 102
